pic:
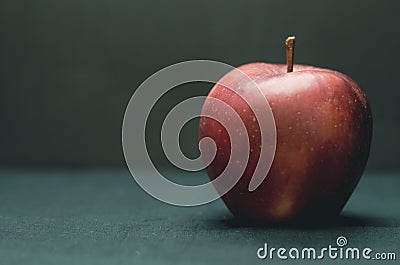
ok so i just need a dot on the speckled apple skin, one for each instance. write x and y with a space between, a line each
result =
324 129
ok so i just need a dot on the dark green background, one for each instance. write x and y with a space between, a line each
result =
67 71
68 68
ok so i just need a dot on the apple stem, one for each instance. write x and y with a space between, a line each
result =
290 41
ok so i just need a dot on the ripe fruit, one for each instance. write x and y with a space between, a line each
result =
323 126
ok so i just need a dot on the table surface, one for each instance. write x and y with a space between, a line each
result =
103 217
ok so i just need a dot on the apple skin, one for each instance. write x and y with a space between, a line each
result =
324 130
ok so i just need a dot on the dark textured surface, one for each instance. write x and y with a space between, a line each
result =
103 217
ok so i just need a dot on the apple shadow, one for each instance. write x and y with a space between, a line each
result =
344 220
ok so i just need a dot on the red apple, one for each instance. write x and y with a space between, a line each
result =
323 127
